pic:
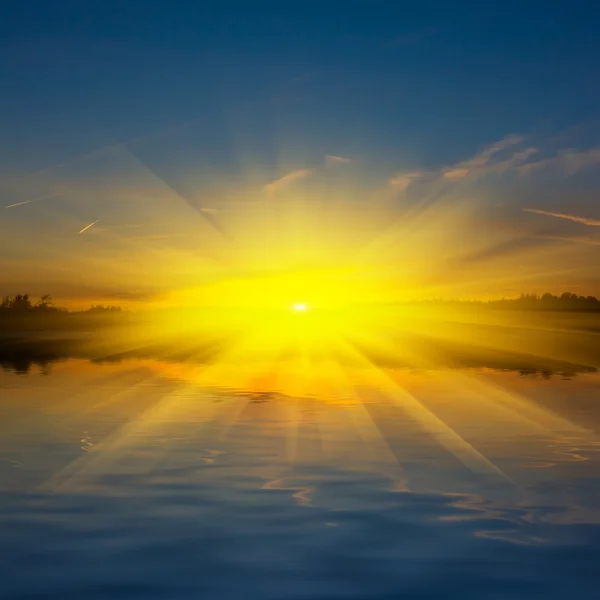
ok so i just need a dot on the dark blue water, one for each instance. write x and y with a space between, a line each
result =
148 480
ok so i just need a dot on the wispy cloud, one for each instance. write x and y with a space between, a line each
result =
502 165
457 173
273 188
485 157
584 220
482 163
402 180
337 160
569 162
506 142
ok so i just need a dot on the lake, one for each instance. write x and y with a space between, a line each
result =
148 478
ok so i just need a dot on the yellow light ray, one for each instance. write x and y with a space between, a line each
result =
440 431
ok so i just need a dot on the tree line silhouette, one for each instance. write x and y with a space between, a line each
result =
527 302
566 301
21 304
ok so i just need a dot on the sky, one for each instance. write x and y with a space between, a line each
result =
151 149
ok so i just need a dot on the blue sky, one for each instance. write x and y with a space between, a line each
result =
211 95
437 80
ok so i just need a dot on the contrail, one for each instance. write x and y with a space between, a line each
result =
28 201
88 226
584 220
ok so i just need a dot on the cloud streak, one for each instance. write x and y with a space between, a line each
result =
28 201
273 188
583 220
569 161
88 226
337 160
402 180
492 159
485 157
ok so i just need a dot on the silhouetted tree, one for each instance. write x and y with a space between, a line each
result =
45 303
21 303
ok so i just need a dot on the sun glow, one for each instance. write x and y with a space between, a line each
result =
321 298
311 264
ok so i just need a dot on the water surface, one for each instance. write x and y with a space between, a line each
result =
151 479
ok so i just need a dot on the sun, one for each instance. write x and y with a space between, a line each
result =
300 307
